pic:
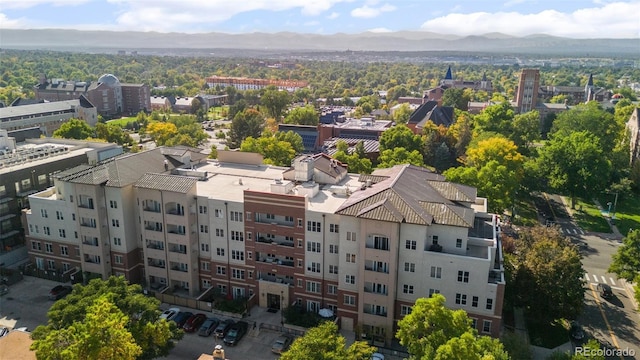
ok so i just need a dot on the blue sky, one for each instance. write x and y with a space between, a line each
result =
569 18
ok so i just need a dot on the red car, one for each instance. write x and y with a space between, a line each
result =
194 322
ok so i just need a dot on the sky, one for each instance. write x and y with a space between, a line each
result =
566 18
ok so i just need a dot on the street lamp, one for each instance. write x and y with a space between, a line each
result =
609 212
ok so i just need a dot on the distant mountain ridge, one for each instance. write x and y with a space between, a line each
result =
367 41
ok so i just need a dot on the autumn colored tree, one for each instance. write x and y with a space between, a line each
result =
161 132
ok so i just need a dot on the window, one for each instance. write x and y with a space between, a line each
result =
409 267
115 222
220 232
435 240
64 250
405 310
237 255
314 267
204 247
249 255
288 219
51 265
237 274
474 301
313 226
35 245
332 289
350 300
59 215
218 213
410 244
47 230
66 267
333 249
351 258
486 326
48 247
117 241
202 209
223 289
206 284
113 204
381 242
351 236
117 259
436 272
43 213
463 276
220 251
407 289
334 228
313 287
461 299
350 279
489 304
3 190
313 246
221 270
433 291
333 269
205 265
42 179
71 198
237 235
458 243
204 229
249 235
299 222
73 217
270 216
62 233
235 216
299 243
37 229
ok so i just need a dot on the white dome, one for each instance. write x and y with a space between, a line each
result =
109 79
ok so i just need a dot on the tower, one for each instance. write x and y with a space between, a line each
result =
588 89
527 95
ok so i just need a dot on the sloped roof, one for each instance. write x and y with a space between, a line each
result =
174 183
410 194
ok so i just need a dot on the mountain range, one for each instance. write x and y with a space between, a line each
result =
55 39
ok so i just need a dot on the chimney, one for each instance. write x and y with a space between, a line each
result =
166 165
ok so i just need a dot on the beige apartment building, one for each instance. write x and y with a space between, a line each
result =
364 246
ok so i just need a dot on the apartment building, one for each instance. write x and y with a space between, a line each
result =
243 83
312 235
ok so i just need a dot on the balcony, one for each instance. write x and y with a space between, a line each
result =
180 249
156 264
176 229
277 240
372 310
152 226
179 267
275 279
151 206
91 223
86 204
377 243
174 209
90 242
276 260
378 290
274 220
92 259
156 245
376 266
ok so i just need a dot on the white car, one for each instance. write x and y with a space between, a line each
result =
170 313
377 356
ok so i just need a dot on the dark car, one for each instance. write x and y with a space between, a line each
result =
576 332
59 292
236 333
222 328
208 326
182 318
605 291
194 322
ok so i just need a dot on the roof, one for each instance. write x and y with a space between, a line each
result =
370 145
125 169
46 107
16 345
174 183
439 115
410 194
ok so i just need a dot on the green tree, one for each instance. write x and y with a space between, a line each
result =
590 117
575 164
275 101
432 331
155 337
102 334
246 123
273 147
592 345
356 164
323 342
456 98
305 115
496 118
526 129
398 156
559 99
400 136
74 129
402 114
626 260
113 134
543 256
516 346
292 138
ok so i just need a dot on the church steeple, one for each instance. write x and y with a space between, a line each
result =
588 89
448 76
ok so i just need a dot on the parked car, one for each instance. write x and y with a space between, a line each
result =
208 326
182 318
281 344
222 328
59 291
605 291
194 322
170 313
235 333
377 356
3 331
576 332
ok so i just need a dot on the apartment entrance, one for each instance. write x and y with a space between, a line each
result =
273 301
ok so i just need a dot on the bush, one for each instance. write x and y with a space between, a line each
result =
298 316
237 306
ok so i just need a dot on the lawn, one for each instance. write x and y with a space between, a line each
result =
122 122
547 335
525 211
589 217
627 211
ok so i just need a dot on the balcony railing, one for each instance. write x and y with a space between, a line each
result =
377 268
177 249
85 205
151 209
179 268
90 243
372 290
276 221
155 246
277 261
277 241
156 264
377 313
275 279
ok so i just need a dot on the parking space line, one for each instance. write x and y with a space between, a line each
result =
603 279
613 282
586 276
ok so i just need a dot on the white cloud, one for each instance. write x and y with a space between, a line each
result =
25 4
380 30
333 15
371 12
7 23
613 20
